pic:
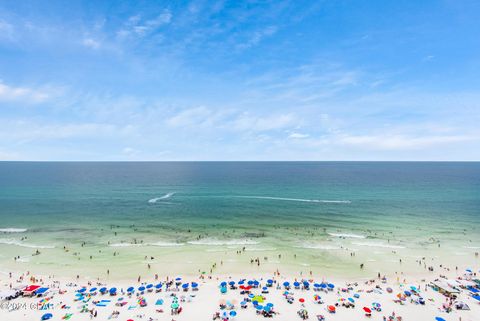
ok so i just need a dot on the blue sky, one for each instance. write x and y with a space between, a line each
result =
240 80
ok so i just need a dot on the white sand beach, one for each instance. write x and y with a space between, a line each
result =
388 298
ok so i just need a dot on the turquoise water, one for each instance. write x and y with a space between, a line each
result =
195 213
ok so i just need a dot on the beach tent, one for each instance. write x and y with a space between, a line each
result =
30 290
41 291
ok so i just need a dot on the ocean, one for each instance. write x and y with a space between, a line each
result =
182 217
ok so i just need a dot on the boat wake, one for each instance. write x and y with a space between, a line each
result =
164 197
297 199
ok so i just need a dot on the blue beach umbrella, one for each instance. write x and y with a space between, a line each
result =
159 286
331 286
286 284
47 316
407 293
439 319
103 290
250 282
185 286
82 290
194 285
323 285
264 288
269 281
178 279
231 283
223 284
351 300
149 286
356 296
296 283
233 313
93 290
269 305
223 290
251 295
267 308
476 297
241 282
113 291
131 289
306 284
316 285
141 289
259 307
256 283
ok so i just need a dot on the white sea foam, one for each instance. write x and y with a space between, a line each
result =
319 247
125 244
222 242
346 235
18 243
166 244
382 245
260 249
296 199
164 197
472 247
12 230
160 244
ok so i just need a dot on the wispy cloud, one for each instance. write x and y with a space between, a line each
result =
137 26
257 36
22 94
91 43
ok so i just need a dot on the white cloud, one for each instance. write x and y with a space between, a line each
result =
22 94
91 43
298 135
402 142
258 36
136 26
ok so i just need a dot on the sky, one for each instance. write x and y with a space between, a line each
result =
240 80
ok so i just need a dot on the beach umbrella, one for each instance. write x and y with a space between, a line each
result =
259 307
407 293
232 283
269 281
267 308
251 295
47 316
439 319
131 289
286 284
103 290
223 284
113 291
233 313
185 285
174 305
243 303
316 285
306 284
323 285
331 286
476 297
250 282
241 282
178 279
269 305
367 310
141 289
356 296
194 285
223 290
256 283
351 300
82 290
93 290
296 284
331 308
149 286
301 300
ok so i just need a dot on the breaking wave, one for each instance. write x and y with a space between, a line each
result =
12 230
164 197
346 235
18 243
222 242
383 245
297 199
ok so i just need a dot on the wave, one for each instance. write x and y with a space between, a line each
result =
472 247
319 247
12 230
166 244
388 246
164 197
222 242
32 246
346 235
161 244
297 199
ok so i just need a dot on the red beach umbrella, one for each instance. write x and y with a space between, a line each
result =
367 310
301 300
331 308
